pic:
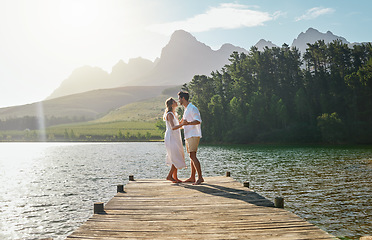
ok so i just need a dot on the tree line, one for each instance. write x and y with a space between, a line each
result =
35 122
70 135
278 95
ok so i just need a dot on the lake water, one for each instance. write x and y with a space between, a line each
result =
48 189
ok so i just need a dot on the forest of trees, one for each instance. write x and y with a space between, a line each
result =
279 96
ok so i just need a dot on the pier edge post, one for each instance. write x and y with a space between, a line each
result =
279 202
366 238
246 184
120 188
227 174
98 207
131 178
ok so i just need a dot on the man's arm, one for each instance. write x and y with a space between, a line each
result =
194 122
195 115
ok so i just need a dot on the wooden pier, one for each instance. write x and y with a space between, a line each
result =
220 208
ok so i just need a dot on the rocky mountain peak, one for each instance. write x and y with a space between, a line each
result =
182 36
260 45
181 42
311 36
227 49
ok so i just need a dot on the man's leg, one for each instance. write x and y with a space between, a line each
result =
193 169
197 166
193 172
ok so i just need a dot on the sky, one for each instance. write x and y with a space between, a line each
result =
43 41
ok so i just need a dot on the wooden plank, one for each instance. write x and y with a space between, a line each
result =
220 208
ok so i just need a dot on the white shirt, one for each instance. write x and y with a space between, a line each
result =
192 113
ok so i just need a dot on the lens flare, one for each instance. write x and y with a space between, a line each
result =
41 121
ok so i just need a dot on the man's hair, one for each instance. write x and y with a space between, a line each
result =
184 95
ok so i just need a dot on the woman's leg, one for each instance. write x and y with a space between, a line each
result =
171 171
175 176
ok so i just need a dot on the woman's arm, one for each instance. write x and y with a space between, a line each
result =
170 118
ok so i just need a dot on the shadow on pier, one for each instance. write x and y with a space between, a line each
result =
232 193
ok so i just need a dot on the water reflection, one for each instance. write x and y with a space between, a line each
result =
48 190
331 187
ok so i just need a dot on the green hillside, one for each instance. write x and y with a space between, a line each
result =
146 110
134 121
91 105
107 131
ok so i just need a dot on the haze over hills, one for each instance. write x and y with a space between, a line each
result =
88 78
182 58
90 105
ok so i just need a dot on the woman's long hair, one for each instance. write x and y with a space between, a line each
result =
168 107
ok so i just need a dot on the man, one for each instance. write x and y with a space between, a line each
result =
191 124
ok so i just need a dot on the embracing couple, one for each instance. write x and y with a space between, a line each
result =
190 122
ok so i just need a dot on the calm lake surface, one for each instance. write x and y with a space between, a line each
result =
48 189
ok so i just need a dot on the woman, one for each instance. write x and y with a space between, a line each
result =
173 142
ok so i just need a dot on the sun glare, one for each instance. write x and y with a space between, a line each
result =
41 121
78 13
49 39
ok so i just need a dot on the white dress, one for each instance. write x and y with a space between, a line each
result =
173 144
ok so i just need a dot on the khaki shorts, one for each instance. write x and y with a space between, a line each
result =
192 144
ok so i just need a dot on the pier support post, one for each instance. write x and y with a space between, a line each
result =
98 207
279 202
120 188
246 184
227 174
131 178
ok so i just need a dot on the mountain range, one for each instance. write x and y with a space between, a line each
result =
182 58
92 92
311 36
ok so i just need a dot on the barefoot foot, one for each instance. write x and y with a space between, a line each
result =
170 179
200 180
190 180
177 180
